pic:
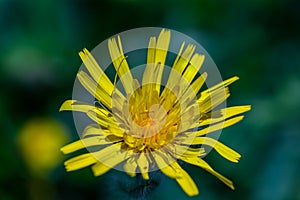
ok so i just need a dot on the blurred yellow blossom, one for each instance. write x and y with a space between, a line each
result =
39 141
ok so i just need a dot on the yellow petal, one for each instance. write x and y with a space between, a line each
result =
222 84
94 89
181 150
98 120
187 184
184 59
107 123
194 67
220 115
162 46
169 97
179 65
223 150
219 126
151 54
198 83
161 51
188 113
99 169
178 54
87 159
101 116
88 142
100 113
74 105
120 64
107 152
117 103
191 92
143 165
209 101
157 53
96 72
130 167
112 160
201 163
148 77
166 164
94 130
79 162
116 130
80 144
173 170
215 95
189 119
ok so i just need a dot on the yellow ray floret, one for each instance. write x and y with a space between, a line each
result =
201 163
92 87
130 166
225 113
109 162
194 67
223 150
96 72
219 126
187 184
157 53
143 164
120 63
89 142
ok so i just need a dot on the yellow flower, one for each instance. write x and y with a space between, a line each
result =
152 126
44 136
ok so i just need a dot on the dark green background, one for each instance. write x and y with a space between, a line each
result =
256 40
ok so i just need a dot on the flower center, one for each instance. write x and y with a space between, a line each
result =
152 120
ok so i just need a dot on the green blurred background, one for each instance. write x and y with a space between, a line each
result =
256 40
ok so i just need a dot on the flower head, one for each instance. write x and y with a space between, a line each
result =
148 125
